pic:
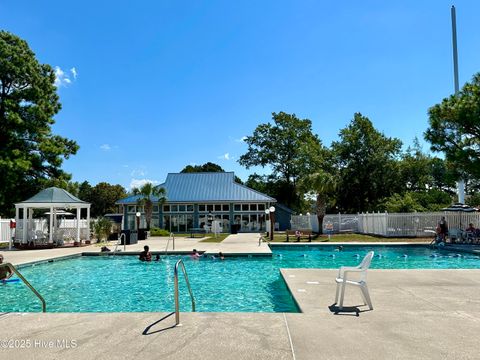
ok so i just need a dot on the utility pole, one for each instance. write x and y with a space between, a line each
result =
461 181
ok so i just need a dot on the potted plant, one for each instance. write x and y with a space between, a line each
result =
102 228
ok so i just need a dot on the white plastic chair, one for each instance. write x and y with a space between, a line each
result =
342 280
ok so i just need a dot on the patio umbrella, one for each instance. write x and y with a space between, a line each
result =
461 208
61 213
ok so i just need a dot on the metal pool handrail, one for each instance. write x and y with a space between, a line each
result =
25 281
119 242
172 236
177 305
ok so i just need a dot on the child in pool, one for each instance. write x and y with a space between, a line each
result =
5 272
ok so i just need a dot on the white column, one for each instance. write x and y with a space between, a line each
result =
78 224
17 219
30 220
24 224
88 222
50 234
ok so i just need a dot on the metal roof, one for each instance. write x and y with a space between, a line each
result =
207 187
54 195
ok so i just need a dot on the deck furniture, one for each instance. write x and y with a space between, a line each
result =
346 275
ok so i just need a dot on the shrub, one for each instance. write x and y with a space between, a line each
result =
158 232
102 228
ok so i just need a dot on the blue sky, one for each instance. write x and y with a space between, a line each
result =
159 85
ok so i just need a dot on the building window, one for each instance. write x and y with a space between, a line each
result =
189 208
218 207
209 207
174 208
166 208
131 208
226 207
261 207
166 223
182 208
244 207
155 208
201 208
237 207
253 207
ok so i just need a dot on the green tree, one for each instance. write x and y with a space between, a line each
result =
103 197
321 185
147 191
102 228
455 128
85 191
29 152
415 168
277 188
427 200
367 164
207 167
288 147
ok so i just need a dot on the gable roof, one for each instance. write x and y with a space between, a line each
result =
208 186
53 195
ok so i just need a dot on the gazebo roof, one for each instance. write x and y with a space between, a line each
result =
53 195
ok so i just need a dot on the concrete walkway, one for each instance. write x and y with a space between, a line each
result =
418 314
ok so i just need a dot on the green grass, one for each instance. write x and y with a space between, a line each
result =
213 239
350 238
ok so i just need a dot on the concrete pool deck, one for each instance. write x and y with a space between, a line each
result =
418 314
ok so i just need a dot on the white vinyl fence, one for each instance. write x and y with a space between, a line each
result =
304 222
399 224
5 230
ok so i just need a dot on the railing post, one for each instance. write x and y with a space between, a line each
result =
177 303
25 281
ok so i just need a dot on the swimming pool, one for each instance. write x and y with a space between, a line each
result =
241 284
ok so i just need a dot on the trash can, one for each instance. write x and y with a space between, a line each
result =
234 228
125 240
129 238
142 234
133 237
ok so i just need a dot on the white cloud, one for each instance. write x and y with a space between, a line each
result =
241 140
62 78
225 156
105 147
137 183
138 173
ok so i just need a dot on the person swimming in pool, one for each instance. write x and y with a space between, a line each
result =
5 272
145 255
195 255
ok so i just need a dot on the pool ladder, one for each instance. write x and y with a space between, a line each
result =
119 242
175 278
25 281
171 236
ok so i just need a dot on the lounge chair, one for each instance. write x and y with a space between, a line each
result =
343 280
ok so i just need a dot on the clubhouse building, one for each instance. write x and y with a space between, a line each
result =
194 200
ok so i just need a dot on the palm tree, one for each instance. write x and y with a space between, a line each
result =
147 191
322 184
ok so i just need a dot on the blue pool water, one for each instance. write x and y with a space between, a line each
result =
124 284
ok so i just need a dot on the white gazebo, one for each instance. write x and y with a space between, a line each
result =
57 201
